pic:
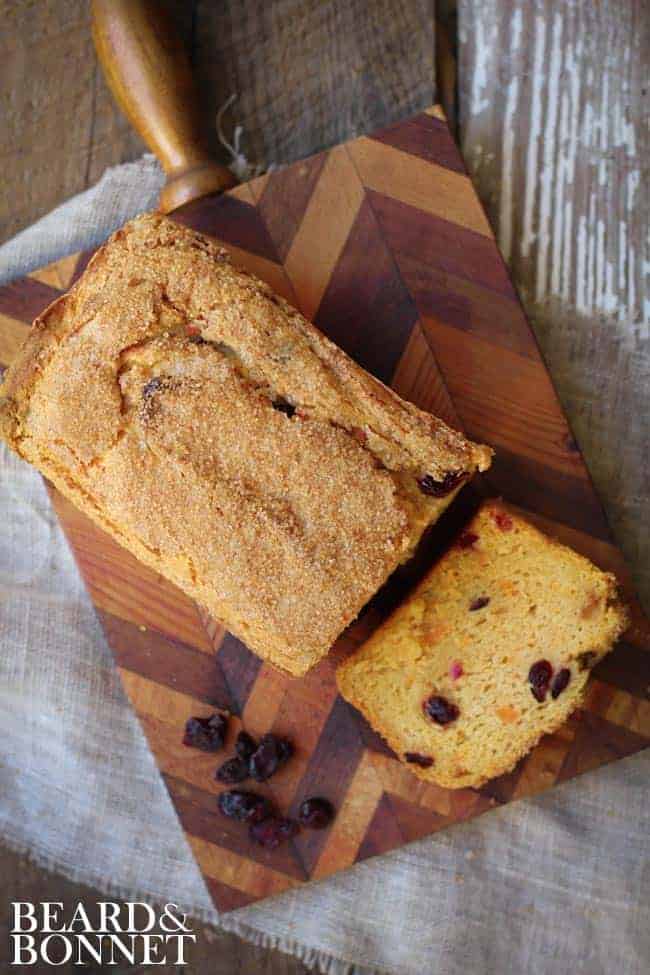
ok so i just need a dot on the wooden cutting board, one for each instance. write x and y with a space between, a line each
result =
383 243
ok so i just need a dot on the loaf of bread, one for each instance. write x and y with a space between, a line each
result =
491 651
208 427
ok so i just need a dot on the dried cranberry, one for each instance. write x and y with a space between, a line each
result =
539 677
587 659
424 761
456 670
503 521
571 444
438 489
285 749
316 813
152 387
244 806
245 745
478 603
208 734
270 754
560 681
283 406
440 710
466 540
359 434
234 770
273 831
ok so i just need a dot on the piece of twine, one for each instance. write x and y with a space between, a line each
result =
239 165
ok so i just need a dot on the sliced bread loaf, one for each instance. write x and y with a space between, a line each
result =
491 651
216 434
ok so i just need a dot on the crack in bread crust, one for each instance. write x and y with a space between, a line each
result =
213 431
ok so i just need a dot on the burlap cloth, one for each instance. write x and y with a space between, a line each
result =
559 884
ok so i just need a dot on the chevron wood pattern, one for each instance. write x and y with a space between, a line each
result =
384 244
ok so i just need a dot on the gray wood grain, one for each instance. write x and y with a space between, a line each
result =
60 129
554 108
308 73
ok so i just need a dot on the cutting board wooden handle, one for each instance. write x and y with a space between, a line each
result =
149 74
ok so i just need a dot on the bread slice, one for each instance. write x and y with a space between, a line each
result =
204 423
491 651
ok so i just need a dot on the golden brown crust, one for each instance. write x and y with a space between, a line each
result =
504 598
224 440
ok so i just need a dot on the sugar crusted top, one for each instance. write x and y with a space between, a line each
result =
205 423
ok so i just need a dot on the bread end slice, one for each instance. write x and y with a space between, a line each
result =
491 651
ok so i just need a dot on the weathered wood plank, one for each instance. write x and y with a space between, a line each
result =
554 103
310 74
60 127
307 75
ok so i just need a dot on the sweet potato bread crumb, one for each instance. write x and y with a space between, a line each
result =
205 424
492 650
